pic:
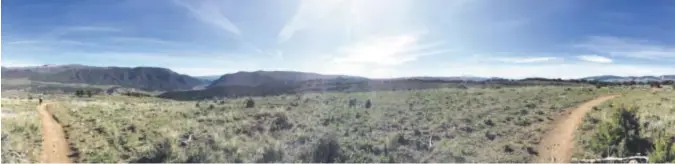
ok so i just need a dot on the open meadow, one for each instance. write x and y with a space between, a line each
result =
435 125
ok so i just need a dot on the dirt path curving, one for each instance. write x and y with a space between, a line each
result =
558 143
54 145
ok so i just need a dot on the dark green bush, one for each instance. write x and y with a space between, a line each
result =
250 103
271 155
326 150
368 104
620 135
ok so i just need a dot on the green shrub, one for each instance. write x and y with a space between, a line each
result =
368 104
620 135
271 155
250 103
326 150
663 150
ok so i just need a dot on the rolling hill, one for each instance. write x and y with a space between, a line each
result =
262 83
259 78
145 78
613 78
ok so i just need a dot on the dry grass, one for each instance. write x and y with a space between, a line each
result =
439 125
21 138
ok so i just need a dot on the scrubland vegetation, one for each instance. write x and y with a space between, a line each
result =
642 122
435 125
21 138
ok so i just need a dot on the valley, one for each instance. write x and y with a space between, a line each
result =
270 117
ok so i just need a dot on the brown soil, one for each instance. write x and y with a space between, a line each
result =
558 143
54 145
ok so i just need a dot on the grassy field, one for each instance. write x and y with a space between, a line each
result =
21 138
654 112
439 125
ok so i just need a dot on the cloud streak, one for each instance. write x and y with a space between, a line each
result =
381 56
309 13
595 58
18 63
93 29
388 51
526 59
209 12
625 47
567 71
143 40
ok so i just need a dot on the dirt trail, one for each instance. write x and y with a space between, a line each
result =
54 145
558 144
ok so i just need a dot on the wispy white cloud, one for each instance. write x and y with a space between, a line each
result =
145 40
595 58
18 63
92 29
57 45
57 35
625 47
526 59
569 70
309 13
210 12
388 50
22 42
64 31
48 44
381 56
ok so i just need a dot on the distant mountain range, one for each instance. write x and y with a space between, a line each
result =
145 78
612 78
251 83
258 78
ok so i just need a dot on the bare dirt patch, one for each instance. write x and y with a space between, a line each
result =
54 145
558 143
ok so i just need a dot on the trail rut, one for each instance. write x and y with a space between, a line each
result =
54 145
558 143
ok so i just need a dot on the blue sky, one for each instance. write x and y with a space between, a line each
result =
373 38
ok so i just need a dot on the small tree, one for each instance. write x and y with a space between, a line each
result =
368 104
352 103
88 93
250 103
